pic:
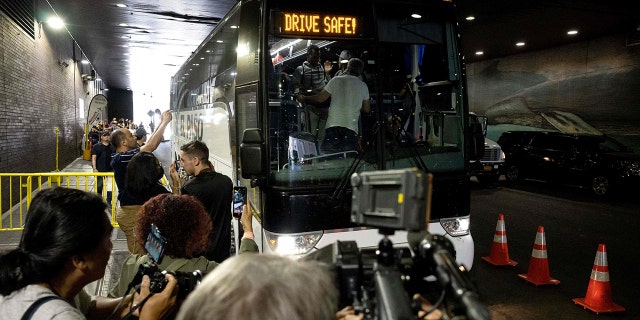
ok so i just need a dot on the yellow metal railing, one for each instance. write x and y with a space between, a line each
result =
30 183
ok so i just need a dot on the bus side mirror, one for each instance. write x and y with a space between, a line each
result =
252 152
477 141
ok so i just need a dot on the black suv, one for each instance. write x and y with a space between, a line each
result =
597 162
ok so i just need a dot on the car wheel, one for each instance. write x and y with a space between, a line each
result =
600 185
513 173
488 180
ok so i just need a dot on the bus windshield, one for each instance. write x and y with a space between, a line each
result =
412 78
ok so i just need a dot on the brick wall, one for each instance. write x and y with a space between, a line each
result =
40 86
39 90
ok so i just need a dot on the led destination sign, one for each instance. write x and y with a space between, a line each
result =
318 24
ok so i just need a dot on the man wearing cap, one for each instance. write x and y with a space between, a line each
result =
101 158
345 55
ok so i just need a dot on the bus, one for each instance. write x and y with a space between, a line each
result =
236 93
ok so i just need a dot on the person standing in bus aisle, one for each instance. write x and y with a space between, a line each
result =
308 79
101 160
343 60
213 189
127 146
349 96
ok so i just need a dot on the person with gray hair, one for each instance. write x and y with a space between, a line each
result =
349 96
256 287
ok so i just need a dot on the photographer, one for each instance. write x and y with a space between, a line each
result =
265 286
185 225
65 245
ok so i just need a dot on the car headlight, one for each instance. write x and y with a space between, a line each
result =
456 227
292 244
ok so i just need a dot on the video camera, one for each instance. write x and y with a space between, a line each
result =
378 283
187 281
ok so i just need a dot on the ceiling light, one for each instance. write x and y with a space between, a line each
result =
520 44
55 22
470 18
479 53
416 16
233 27
85 61
219 41
121 5
123 25
572 32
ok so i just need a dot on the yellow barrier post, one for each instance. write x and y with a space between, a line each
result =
57 130
86 152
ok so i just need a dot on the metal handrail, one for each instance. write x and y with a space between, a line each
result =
30 183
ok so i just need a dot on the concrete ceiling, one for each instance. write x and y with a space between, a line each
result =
140 46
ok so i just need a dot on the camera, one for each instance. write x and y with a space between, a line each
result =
378 282
187 281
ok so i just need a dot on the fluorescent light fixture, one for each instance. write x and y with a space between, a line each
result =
479 53
55 22
416 16
572 32
470 18
520 44
121 5
85 61
123 25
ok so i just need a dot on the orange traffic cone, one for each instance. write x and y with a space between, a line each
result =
499 255
538 273
598 297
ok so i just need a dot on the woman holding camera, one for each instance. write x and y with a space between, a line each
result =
184 223
65 245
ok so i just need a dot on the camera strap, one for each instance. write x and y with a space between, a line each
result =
35 305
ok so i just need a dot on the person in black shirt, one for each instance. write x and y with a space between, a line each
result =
213 189
141 184
101 158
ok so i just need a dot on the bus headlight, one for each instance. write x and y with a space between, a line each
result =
456 227
292 244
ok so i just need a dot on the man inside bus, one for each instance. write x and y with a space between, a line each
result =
308 79
349 96
213 189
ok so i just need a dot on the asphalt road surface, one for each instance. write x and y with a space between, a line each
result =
574 223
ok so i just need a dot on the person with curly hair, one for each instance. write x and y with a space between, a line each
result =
185 224
142 183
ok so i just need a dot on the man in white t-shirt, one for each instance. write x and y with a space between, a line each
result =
349 96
